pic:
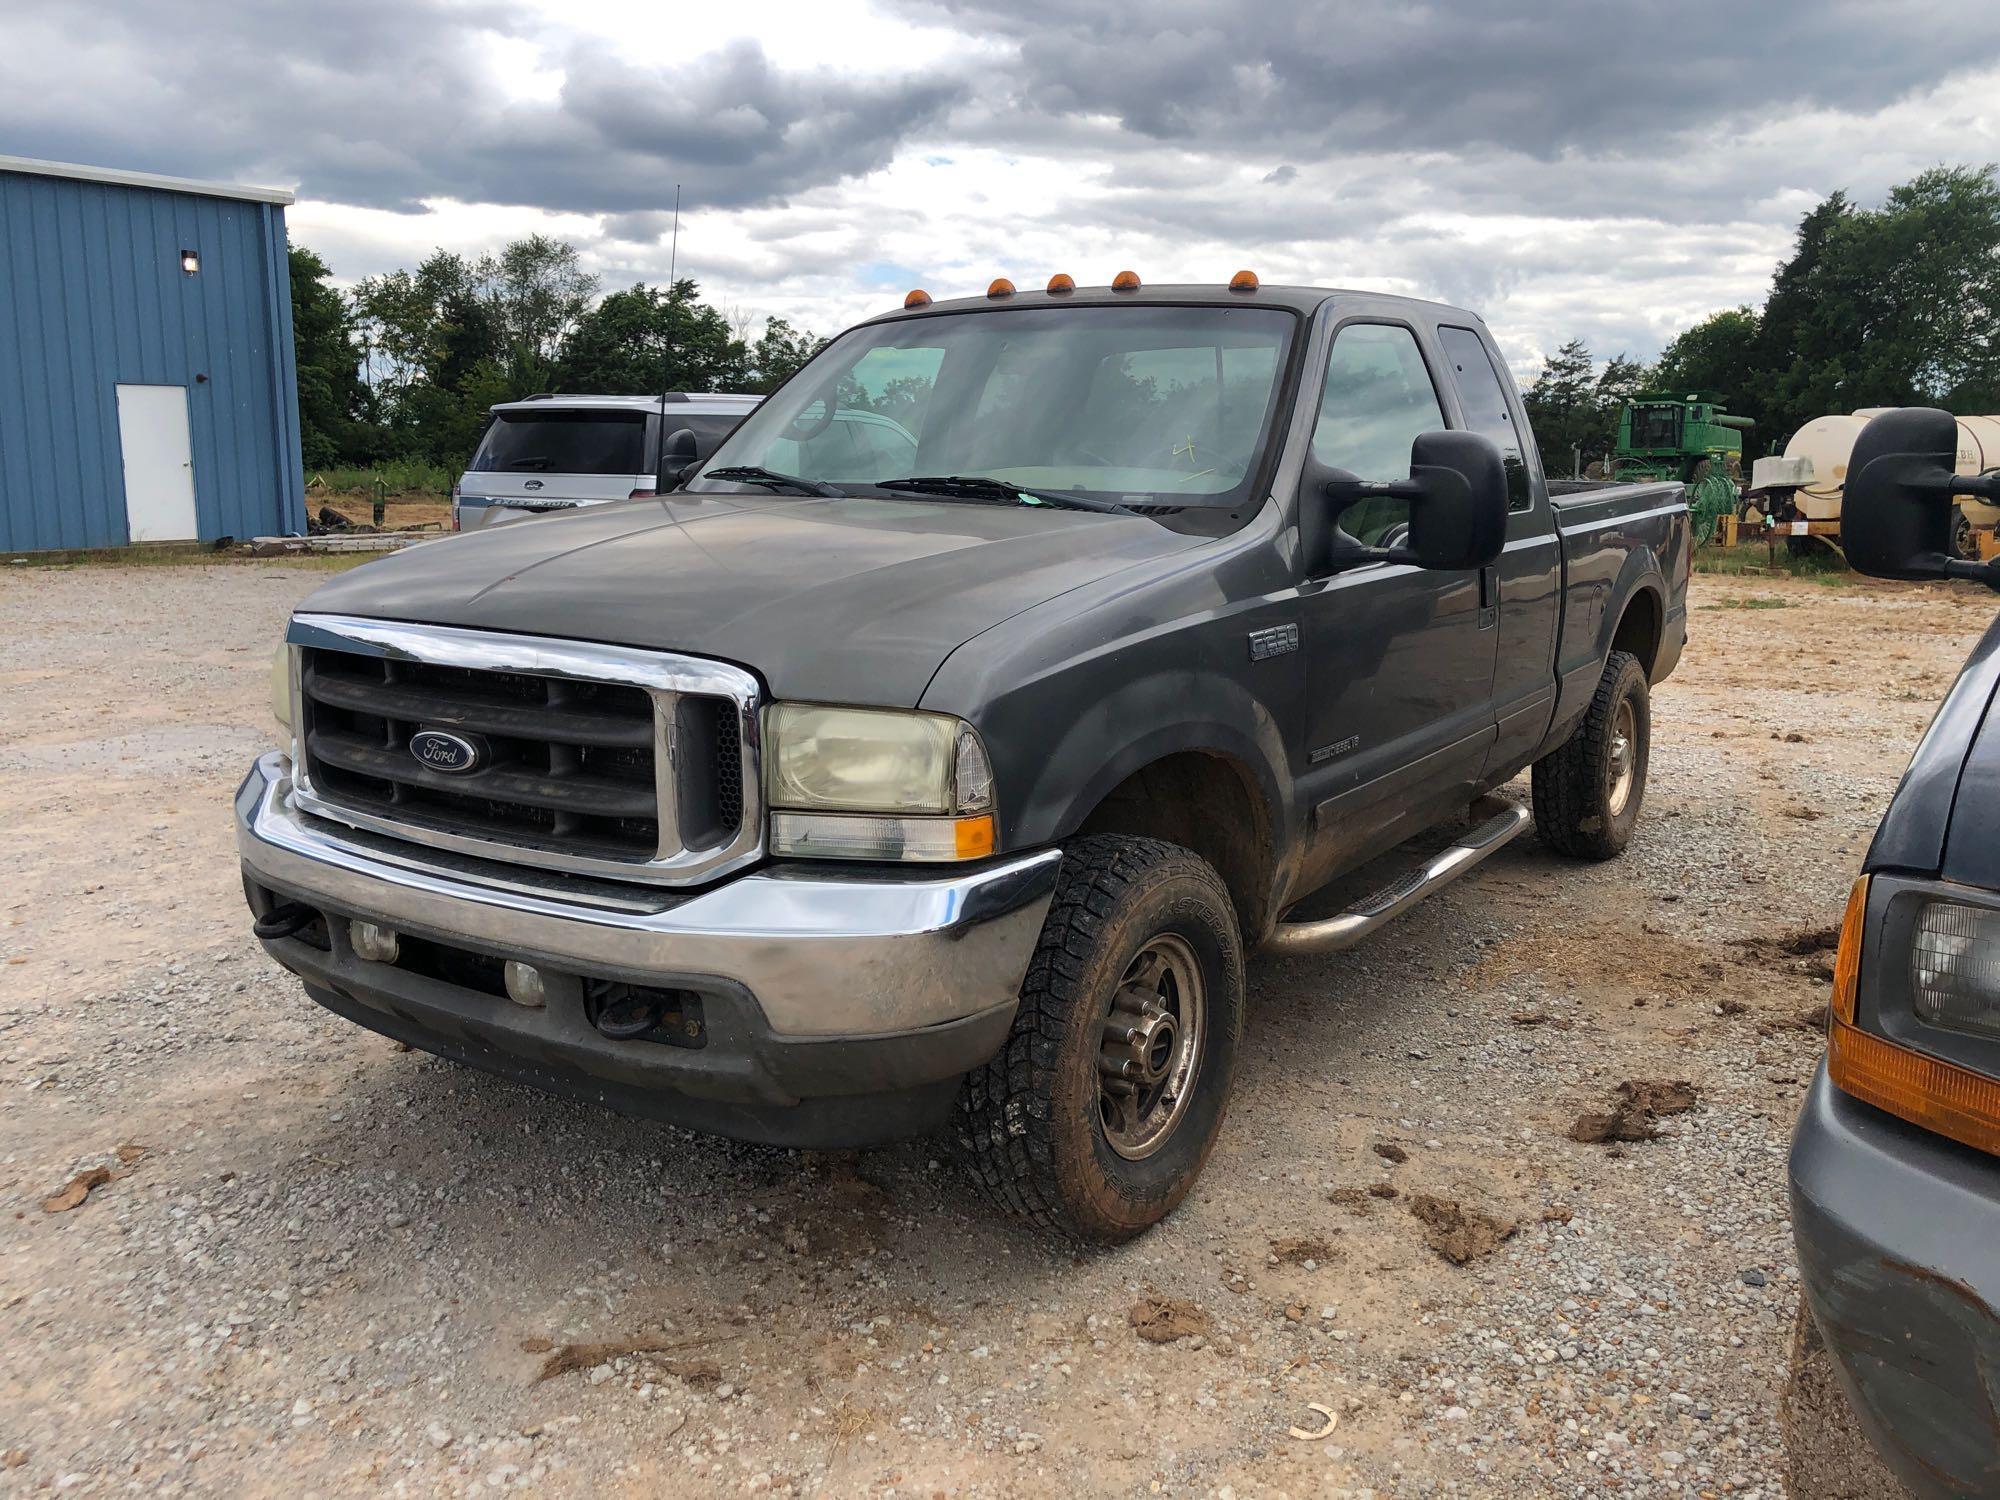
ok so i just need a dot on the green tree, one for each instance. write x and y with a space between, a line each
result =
1891 306
649 339
778 353
1718 357
332 400
1562 406
1619 383
540 292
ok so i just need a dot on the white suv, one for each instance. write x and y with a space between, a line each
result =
557 452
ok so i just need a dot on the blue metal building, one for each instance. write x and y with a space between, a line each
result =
147 386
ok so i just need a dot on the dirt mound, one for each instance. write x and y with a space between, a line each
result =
1458 1233
1636 1105
1805 950
1294 1250
1161 1320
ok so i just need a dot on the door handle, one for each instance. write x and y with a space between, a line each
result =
1489 597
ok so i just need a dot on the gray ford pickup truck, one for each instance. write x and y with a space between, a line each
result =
844 793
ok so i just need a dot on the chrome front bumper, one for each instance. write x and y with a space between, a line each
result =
823 954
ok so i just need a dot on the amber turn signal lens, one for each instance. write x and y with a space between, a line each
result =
1847 956
1125 281
918 297
974 836
1243 281
1060 283
1000 286
1953 1101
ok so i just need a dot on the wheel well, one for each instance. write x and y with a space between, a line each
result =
1639 630
1207 803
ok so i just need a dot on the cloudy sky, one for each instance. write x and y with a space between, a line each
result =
1606 169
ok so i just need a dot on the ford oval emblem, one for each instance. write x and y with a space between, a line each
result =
531 484
454 754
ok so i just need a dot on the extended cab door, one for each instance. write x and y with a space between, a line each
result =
1526 583
1399 659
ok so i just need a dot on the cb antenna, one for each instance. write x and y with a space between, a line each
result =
674 253
673 264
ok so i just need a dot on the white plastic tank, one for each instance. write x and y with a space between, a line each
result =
1978 451
1826 442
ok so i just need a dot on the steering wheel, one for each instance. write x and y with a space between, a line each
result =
804 428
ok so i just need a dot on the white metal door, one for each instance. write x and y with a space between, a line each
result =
159 465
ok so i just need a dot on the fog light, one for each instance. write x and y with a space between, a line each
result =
376 944
524 984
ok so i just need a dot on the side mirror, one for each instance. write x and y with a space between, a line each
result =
677 454
1457 491
1896 514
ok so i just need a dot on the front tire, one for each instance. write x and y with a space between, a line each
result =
1098 1114
1588 789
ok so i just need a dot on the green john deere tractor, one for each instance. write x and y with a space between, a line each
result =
1689 439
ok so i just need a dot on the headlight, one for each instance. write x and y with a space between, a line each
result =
281 685
869 783
1955 967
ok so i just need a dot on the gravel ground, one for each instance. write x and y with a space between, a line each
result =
322 1264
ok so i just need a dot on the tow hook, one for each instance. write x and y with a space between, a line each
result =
629 1016
284 921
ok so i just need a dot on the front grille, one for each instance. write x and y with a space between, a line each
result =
567 767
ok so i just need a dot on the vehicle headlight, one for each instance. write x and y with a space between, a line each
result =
870 783
1955 967
281 685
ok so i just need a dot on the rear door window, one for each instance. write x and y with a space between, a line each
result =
1484 400
564 442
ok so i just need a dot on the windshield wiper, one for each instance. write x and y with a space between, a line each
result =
756 474
980 487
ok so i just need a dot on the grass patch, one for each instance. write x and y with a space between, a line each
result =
184 557
1753 602
1821 564
402 476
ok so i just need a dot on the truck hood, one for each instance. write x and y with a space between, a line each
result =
853 600
1945 816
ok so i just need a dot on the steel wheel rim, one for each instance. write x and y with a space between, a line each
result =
1624 755
1153 1042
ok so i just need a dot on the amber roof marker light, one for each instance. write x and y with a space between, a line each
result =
917 297
1125 281
1000 286
1061 284
1243 281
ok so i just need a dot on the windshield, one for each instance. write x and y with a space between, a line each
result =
564 442
1138 404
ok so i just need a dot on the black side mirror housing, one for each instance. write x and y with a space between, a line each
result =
678 454
1457 491
1896 512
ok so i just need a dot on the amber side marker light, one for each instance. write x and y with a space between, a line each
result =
1243 281
918 297
1125 281
1000 286
1061 283
973 837
1953 1101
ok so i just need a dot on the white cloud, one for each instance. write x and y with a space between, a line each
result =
1555 177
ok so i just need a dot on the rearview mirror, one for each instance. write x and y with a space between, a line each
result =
677 454
1457 491
1896 513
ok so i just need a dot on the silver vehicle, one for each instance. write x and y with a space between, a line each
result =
558 452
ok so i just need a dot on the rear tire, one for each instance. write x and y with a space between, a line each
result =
1042 1129
1588 789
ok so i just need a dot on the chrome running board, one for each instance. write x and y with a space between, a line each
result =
1337 933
